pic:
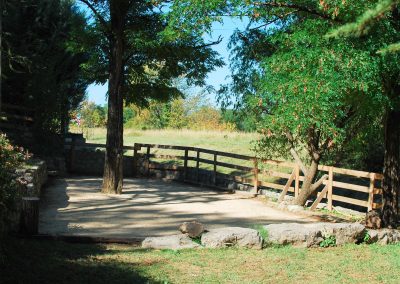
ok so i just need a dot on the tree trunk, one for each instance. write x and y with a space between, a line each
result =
307 188
391 170
1 47
113 171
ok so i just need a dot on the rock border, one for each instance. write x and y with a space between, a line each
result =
306 235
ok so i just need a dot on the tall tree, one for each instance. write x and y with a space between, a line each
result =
381 24
132 52
276 16
40 70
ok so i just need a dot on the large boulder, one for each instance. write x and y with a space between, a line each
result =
232 236
192 229
170 242
345 233
311 235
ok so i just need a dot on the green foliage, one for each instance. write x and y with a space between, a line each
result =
367 20
191 112
10 158
152 59
197 240
92 115
263 232
367 238
314 92
329 241
49 78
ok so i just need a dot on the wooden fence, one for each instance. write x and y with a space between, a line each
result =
258 174
334 180
16 117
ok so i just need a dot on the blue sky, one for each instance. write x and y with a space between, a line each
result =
97 93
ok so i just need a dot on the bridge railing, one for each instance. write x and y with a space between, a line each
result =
336 186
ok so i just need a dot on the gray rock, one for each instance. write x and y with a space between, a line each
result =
311 235
345 233
296 234
232 236
193 229
169 242
384 236
295 208
322 205
283 205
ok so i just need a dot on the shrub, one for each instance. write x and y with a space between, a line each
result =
11 157
329 241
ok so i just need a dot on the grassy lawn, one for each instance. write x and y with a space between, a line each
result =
29 261
234 142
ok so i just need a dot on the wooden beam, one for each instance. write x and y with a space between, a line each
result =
330 188
285 189
371 192
321 195
255 189
297 181
320 181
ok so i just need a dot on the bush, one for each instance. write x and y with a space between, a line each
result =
11 157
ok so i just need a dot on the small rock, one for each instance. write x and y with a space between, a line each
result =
283 205
232 236
373 220
295 208
193 229
169 242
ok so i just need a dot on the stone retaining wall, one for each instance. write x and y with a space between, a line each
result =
88 161
31 180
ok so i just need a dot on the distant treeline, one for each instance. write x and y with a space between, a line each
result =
192 112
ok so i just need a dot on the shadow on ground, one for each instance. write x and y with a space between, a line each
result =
147 207
32 261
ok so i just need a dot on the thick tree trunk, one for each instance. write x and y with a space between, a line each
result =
391 170
1 48
113 171
307 188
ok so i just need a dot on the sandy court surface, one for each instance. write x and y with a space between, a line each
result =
147 207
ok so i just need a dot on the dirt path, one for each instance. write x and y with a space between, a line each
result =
74 206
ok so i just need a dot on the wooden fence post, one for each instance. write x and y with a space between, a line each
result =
71 155
371 191
29 222
185 165
135 160
255 176
330 188
148 161
297 181
197 165
215 170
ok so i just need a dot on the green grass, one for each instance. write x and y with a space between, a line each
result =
28 261
233 142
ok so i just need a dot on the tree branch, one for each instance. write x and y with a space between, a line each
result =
102 21
210 43
297 7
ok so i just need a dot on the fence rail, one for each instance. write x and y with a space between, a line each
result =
349 181
15 117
